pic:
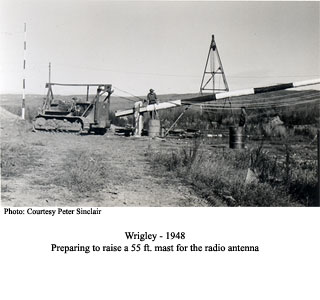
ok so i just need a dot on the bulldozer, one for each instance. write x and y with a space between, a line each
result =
75 115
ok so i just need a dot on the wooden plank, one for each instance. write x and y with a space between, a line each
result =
124 112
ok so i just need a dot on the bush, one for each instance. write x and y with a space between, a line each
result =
302 183
262 194
220 176
122 122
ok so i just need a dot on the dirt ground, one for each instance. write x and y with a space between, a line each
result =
132 180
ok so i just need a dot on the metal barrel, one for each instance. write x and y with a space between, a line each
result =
236 137
154 128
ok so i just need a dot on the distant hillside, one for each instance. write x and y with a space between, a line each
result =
117 103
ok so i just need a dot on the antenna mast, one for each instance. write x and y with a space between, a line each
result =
213 71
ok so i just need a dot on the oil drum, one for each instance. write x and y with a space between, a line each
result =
236 137
154 128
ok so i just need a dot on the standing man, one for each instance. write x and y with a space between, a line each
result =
243 117
152 99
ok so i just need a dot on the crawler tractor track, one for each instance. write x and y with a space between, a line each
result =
58 125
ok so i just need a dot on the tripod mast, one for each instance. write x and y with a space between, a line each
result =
213 71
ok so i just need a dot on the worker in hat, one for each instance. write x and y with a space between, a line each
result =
152 99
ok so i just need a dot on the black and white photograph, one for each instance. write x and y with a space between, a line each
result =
159 150
159 103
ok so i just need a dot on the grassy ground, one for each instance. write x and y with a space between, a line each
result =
55 169
219 175
17 160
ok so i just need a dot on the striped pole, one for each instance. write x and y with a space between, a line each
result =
251 91
24 71
49 72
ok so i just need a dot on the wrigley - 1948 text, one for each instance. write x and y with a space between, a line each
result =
51 211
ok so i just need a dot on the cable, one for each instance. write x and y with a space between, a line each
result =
287 102
129 93
131 100
164 75
127 72
259 106
268 100
282 101
273 76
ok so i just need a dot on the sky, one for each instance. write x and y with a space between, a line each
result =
161 45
